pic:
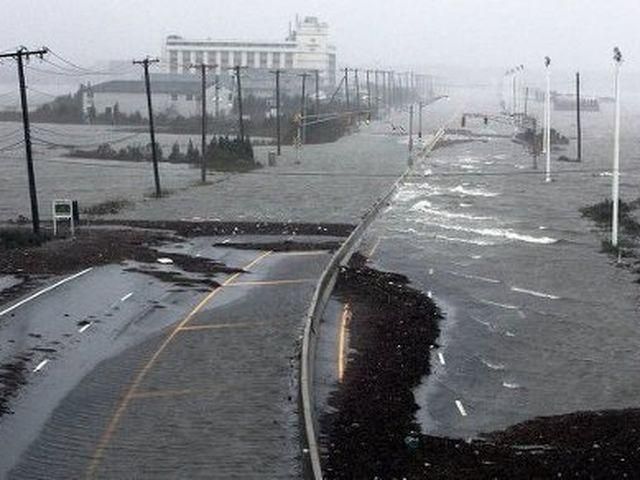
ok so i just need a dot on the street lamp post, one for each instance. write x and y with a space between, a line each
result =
547 123
615 190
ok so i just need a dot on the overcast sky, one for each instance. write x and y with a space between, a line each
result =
496 33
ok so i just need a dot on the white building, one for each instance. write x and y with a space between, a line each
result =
171 94
306 48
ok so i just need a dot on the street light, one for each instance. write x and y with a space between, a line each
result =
615 194
547 123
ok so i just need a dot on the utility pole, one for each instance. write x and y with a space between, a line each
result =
346 87
410 134
547 126
578 123
303 107
615 189
203 98
357 93
377 90
217 96
20 55
278 136
526 101
420 106
317 75
154 154
240 115
369 94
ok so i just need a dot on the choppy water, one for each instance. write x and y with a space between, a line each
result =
538 321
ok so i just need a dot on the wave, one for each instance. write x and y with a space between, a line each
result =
406 195
497 232
482 243
534 293
473 192
466 205
425 207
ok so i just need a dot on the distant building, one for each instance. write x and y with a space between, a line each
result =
172 94
305 49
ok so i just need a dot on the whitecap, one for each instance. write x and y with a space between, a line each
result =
466 205
423 206
497 232
535 293
482 243
473 192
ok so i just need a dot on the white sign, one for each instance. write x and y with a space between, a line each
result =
62 210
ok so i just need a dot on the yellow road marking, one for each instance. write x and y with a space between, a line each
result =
301 254
163 393
98 453
271 282
346 316
221 325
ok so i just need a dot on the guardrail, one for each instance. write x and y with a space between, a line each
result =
311 453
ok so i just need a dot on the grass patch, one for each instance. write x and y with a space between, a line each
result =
11 238
108 207
601 213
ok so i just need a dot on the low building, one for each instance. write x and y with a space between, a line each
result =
172 95
305 49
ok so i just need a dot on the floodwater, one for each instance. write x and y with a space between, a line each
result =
537 320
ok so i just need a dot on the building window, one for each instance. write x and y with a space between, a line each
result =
174 97
186 61
288 60
276 59
199 58
237 59
251 59
263 59
224 59
173 61
211 58
189 97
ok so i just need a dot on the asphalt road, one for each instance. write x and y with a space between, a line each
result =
128 376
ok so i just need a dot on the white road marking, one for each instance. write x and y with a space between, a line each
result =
461 409
441 358
126 297
84 327
41 365
44 290
535 293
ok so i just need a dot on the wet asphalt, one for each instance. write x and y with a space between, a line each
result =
131 377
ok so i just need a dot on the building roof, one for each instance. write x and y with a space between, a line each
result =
160 83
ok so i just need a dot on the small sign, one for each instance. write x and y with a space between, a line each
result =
63 210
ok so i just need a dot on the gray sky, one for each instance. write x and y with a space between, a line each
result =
496 33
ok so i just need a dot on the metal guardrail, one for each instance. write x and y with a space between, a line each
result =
311 453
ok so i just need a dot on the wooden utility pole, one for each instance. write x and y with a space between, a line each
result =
377 91
303 107
420 107
154 154
217 96
578 124
317 74
369 94
240 114
357 80
278 136
20 55
203 157
346 87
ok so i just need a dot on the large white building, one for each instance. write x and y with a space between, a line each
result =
306 48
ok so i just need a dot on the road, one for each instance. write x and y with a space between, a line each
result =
131 377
